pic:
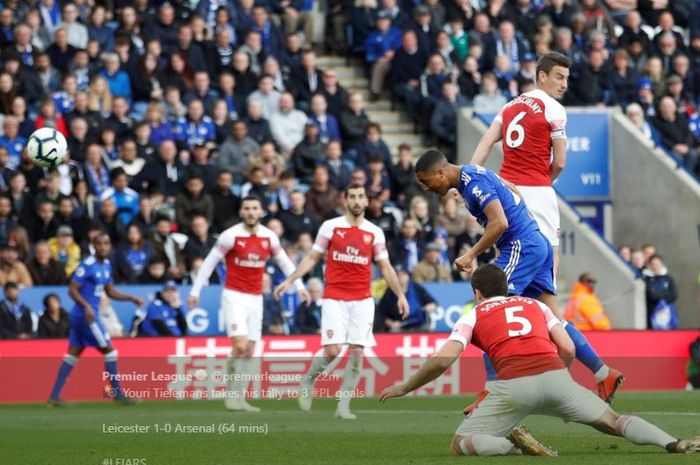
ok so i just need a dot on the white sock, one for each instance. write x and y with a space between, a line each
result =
230 371
241 378
484 444
602 373
351 377
641 432
318 364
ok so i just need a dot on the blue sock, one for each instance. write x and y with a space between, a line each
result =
490 370
62 376
111 367
584 352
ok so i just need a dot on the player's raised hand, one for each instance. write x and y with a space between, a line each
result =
397 390
280 289
192 301
404 308
466 263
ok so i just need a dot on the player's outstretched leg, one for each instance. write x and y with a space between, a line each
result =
351 378
639 431
318 365
518 442
69 361
609 379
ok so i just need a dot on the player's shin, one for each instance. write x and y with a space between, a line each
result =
586 354
641 432
351 378
62 375
111 369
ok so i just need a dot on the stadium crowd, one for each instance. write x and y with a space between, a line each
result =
174 111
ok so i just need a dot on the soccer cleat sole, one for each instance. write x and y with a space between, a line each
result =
526 442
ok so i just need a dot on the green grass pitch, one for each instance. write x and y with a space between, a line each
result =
414 430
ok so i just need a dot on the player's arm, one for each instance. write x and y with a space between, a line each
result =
496 225
389 274
287 267
113 293
213 258
559 157
74 292
431 369
559 336
306 265
490 137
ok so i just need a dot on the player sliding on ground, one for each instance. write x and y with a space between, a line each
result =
526 255
246 248
90 280
533 129
350 242
530 351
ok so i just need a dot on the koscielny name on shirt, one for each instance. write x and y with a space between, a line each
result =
528 101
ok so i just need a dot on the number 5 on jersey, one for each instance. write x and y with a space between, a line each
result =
513 319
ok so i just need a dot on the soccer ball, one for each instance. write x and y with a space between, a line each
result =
47 147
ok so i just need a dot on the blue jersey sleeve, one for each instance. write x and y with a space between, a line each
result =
82 273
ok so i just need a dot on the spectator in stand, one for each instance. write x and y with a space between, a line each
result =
637 261
126 199
235 151
382 216
15 318
585 309
430 268
326 123
166 248
305 81
321 196
12 141
623 79
420 303
336 96
407 66
660 287
226 204
193 201
44 269
64 249
373 145
258 126
353 121
443 121
593 86
308 154
409 248
297 220
307 318
45 224
379 51
196 127
272 163
199 242
378 178
287 124
645 97
54 323
156 272
164 175
201 166
132 255
635 113
165 315
267 95
675 133
339 168
489 99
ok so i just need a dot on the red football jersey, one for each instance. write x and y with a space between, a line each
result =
246 256
529 123
349 254
514 333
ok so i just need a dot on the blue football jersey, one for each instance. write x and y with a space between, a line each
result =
479 187
92 276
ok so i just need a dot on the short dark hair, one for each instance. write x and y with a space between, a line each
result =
251 198
353 185
429 160
551 59
490 280
10 285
